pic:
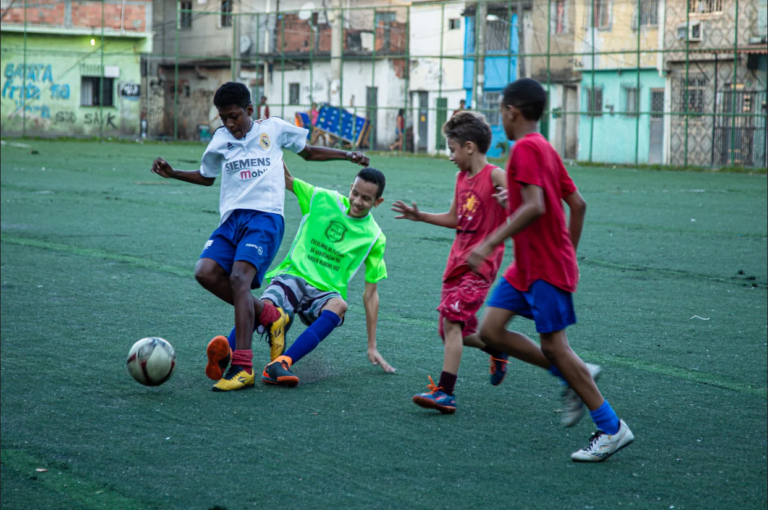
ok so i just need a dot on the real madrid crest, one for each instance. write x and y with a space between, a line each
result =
264 141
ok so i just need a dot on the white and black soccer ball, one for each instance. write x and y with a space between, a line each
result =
151 361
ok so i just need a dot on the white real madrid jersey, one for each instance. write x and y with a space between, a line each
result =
252 168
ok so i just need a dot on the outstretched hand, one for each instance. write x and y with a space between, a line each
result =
162 168
358 158
406 212
377 359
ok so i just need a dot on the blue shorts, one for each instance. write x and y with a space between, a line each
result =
549 307
252 236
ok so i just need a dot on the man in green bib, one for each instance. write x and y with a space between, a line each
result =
336 237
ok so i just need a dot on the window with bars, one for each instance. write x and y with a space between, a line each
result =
293 93
225 19
558 18
630 105
601 13
90 88
454 24
649 13
185 18
696 86
705 6
594 100
497 29
491 107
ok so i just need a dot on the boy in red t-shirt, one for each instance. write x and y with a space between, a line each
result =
474 214
539 283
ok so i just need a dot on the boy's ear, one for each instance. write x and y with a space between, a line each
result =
249 109
378 201
470 147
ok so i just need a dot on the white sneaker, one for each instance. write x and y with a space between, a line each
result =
602 445
573 408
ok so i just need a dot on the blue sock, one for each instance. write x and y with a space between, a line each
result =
313 335
231 339
605 419
231 336
554 371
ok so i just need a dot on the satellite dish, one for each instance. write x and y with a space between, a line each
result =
245 43
306 11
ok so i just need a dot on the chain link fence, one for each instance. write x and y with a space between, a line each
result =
629 81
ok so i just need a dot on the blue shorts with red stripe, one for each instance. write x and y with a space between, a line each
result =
248 235
550 308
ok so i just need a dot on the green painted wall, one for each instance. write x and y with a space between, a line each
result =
51 101
615 133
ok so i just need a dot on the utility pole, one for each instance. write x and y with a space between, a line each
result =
336 47
482 13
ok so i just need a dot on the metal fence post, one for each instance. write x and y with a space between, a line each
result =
24 79
637 89
591 102
176 75
735 79
101 77
687 84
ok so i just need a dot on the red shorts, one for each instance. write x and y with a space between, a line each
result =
461 299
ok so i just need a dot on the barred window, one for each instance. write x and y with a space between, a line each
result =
293 93
594 101
558 18
630 98
90 91
185 18
491 107
226 13
497 28
454 24
601 13
705 6
649 13
696 86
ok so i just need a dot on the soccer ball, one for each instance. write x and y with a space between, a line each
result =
151 361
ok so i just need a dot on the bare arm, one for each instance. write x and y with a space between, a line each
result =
371 301
528 212
447 219
313 153
163 169
288 178
499 178
578 207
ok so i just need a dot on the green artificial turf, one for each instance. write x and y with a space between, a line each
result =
97 253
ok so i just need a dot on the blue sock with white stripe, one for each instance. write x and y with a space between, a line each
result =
605 418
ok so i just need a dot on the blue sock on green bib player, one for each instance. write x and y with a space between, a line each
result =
338 237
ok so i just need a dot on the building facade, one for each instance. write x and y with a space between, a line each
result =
64 76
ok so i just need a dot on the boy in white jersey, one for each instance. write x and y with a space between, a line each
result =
337 237
249 157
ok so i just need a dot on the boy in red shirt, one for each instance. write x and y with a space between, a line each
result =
539 283
474 214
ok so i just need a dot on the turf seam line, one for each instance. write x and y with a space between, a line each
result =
680 373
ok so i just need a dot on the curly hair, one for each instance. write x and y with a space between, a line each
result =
468 126
232 93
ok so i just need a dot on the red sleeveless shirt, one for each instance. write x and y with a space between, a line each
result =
478 216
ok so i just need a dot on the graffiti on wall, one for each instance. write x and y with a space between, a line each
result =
25 84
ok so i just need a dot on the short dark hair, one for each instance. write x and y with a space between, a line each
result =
232 93
468 126
375 176
528 96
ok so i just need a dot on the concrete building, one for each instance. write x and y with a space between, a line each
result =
710 87
63 78
619 88
503 30
286 57
435 94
